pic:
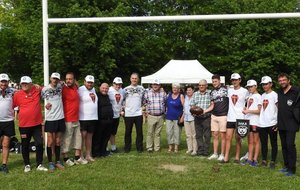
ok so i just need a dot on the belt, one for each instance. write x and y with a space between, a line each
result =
157 114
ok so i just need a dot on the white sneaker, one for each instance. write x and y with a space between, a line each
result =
41 168
194 153
213 156
188 152
27 168
69 162
81 161
90 159
245 157
221 157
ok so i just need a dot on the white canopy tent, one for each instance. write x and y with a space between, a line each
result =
181 71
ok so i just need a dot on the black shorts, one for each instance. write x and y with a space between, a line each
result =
231 125
115 126
55 126
253 128
7 128
88 125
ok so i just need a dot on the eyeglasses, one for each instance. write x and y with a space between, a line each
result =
201 85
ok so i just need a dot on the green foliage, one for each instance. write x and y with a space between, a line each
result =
251 47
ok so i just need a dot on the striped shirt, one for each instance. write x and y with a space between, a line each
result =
155 102
201 100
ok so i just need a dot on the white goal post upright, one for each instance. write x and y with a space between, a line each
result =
47 21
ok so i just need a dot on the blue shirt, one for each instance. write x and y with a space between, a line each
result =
174 107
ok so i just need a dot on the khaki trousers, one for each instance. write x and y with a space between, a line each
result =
190 132
155 124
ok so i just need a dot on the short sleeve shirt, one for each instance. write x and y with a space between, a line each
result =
6 105
253 102
269 110
237 101
53 95
220 98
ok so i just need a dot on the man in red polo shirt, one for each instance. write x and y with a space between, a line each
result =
72 135
30 119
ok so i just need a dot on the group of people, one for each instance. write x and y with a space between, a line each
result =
85 119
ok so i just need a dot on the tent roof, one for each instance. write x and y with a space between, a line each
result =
181 71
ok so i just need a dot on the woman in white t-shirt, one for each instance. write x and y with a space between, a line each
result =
268 121
251 112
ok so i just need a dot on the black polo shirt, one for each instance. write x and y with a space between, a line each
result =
286 104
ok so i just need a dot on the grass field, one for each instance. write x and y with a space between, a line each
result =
150 171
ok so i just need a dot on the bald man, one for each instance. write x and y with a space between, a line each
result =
105 121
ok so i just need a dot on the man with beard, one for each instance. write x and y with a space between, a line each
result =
7 126
105 119
72 135
288 123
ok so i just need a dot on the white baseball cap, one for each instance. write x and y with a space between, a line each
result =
26 79
235 76
55 75
265 80
89 78
251 83
4 76
118 80
156 81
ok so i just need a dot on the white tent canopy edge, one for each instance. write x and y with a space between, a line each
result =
181 71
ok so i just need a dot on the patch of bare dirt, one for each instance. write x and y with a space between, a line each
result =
174 168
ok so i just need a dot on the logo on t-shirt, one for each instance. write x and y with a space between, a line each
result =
265 103
93 97
250 101
234 98
118 98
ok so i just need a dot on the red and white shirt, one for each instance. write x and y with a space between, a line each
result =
30 110
253 102
237 101
269 110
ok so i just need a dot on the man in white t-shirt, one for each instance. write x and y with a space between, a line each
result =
133 113
54 117
88 114
237 100
116 97
7 126
268 121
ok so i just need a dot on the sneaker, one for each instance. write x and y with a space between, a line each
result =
194 153
289 174
51 167
59 165
254 163
114 150
90 159
272 165
4 169
221 157
80 161
224 162
213 157
69 162
27 168
246 162
284 170
188 152
245 157
264 163
41 168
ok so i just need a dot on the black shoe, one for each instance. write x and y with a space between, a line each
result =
4 169
272 165
224 162
264 163
140 151
236 162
